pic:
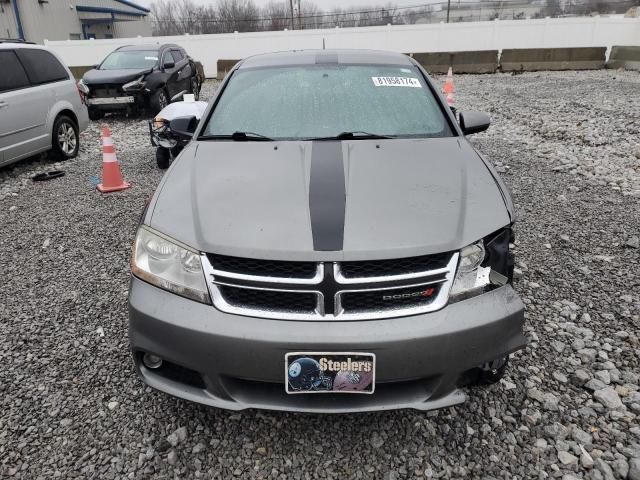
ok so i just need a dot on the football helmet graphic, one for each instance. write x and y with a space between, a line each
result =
355 381
305 374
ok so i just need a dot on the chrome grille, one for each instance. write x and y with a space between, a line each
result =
400 266
282 301
264 268
330 290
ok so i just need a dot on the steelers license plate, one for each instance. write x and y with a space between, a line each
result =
334 372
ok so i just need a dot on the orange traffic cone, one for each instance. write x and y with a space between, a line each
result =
449 88
112 180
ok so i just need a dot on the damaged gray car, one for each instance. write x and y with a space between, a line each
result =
328 241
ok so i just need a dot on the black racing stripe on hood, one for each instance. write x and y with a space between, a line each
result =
327 196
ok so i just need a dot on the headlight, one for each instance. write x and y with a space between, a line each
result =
483 265
137 84
471 257
83 87
159 122
471 278
169 265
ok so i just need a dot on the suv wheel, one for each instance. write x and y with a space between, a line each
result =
195 87
66 139
159 100
95 114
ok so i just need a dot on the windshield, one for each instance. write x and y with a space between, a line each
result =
138 59
323 101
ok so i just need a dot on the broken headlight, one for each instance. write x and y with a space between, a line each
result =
168 264
484 265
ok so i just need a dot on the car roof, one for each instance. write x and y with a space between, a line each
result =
311 57
13 45
147 46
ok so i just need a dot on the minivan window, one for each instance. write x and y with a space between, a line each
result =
41 66
177 55
13 76
130 60
320 101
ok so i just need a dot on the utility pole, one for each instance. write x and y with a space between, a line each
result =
299 14
293 27
448 9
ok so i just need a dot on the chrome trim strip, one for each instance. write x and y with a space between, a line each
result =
340 278
317 278
178 95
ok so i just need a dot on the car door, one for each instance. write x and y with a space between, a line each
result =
21 121
29 108
184 69
170 69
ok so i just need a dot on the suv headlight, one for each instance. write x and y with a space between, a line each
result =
168 264
137 84
483 265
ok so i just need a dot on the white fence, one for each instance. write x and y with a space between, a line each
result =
470 36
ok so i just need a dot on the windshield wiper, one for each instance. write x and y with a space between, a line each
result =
355 136
239 137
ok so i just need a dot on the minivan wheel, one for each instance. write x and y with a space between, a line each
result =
95 114
159 100
66 139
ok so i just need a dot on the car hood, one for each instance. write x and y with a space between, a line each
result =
94 76
260 199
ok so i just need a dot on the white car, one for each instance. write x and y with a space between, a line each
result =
40 106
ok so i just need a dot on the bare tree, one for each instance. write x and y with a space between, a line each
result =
276 16
238 15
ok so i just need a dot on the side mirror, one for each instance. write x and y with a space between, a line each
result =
169 64
184 126
474 122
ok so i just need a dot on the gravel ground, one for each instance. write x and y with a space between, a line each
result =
567 144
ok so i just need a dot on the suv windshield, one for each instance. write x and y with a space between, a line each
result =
324 101
130 59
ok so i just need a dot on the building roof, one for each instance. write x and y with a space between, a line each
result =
311 57
133 5
109 10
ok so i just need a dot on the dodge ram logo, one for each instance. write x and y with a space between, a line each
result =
399 296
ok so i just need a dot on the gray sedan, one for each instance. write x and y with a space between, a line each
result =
329 241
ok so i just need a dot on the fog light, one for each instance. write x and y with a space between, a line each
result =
151 361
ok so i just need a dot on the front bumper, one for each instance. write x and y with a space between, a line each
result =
122 101
237 362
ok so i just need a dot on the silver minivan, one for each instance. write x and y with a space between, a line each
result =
40 106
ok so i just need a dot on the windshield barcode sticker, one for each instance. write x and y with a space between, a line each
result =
396 82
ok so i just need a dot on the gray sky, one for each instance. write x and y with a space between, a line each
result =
329 4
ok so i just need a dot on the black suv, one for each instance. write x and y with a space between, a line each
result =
136 78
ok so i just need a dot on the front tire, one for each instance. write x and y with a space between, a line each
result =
490 372
159 100
66 138
95 114
163 158
195 88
